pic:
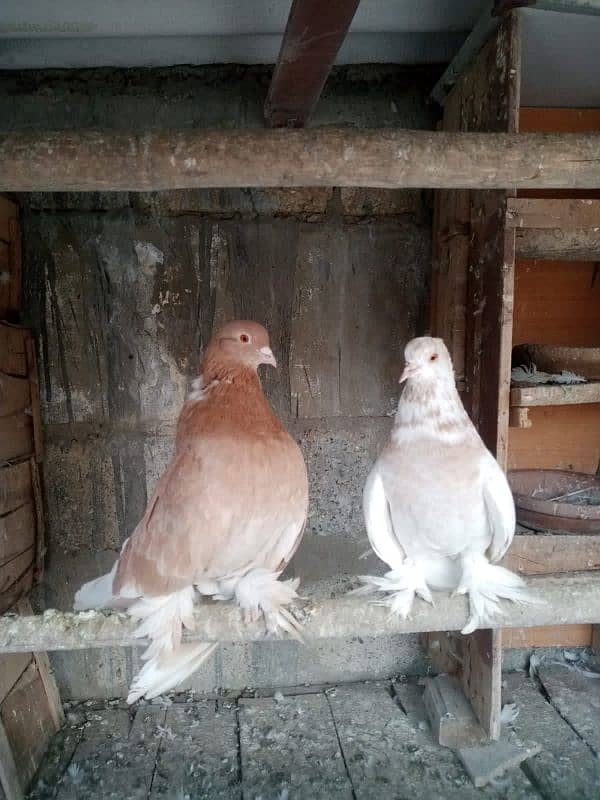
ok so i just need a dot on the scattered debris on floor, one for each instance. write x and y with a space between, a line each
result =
358 741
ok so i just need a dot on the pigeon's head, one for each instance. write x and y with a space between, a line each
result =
241 343
427 359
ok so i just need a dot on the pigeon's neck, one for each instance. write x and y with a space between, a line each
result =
431 409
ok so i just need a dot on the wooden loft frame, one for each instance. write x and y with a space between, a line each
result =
89 161
322 618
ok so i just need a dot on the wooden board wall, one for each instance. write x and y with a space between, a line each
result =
30 709
557 302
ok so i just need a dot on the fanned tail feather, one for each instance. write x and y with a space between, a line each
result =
488 585
168 661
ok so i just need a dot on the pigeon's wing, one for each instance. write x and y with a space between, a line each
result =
378 521
499 507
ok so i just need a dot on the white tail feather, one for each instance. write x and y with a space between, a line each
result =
487 585
97 593
162 673
168 661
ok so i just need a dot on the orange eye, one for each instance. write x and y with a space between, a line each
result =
434 357
244 338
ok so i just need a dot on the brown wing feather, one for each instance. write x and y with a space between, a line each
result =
234 495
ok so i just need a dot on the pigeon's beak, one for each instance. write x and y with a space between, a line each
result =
409 371
267 357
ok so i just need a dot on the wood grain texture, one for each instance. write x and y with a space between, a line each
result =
13 355
551 636
560 437
384 158
580 244
551 213
544 554
547 395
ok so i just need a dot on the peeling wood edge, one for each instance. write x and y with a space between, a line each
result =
571 598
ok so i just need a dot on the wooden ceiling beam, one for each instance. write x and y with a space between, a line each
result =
313 36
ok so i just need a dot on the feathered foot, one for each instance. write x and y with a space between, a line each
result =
403 583
168 661
260 592
487 585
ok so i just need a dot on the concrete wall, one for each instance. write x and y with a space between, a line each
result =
124 290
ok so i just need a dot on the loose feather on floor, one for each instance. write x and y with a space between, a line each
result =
224 521
437 507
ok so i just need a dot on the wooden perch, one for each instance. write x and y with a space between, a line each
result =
557 244
565 599
117 161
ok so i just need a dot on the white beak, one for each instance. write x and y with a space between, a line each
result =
409 371
267 356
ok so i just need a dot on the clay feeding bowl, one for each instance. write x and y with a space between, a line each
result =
556 500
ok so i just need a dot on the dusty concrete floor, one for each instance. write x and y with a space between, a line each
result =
355 741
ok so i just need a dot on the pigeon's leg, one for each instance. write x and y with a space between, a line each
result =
402 584
260 592
487 585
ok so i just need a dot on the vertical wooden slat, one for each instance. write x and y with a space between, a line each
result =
475 286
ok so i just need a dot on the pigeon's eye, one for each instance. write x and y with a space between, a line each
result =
433 357
244 338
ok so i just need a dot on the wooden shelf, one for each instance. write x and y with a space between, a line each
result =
549 395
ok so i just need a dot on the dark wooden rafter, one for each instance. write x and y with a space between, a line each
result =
313 36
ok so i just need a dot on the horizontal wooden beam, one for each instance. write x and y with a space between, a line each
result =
313 36
529 212
552 395
118 161
558 244
564 599
547 553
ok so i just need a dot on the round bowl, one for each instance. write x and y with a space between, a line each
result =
556 500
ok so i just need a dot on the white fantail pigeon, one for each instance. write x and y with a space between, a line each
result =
225 519
438 508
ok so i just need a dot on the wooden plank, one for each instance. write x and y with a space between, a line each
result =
559 120
389 755
581 244
291 747
543 554
576 698
35 404
113 761
15 488
410 696
8 210
28 723
550 395
15 266
551 636
198 756
16 437
90 160
566 768
540 319
15 394
519 418
13 356
17 532
325 617
313 36
545 213
10 784
11 669
40 524
560 437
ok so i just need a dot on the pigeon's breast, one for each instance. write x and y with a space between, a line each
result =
435 497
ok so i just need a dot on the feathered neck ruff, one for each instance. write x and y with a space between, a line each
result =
431 408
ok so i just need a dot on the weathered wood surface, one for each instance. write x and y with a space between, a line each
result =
155 161
313 36
544 554
547 395
576 697
566 769
289 748
544 213
392 754
582 244
10 783
564 599
10 259
198 755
